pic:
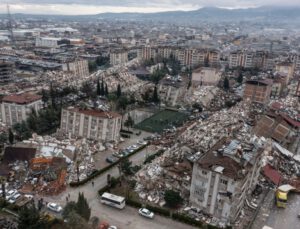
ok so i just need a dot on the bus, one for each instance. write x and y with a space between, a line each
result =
112 200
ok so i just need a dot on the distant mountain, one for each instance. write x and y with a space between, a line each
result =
209 14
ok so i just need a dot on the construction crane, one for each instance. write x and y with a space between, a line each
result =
10 27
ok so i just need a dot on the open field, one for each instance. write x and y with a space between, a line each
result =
162 120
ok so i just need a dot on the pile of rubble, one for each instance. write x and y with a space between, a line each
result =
6 223
170 171
203 134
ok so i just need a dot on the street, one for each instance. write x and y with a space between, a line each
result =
279 218
127 218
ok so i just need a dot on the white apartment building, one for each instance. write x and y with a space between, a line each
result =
118 57
91 124
16 108
224 177
49 42
80 68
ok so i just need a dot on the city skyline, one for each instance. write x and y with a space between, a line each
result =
80 7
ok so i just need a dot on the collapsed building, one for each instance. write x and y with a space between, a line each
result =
225 175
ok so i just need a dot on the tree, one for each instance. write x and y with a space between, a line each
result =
32 120
226 84
83 208
92 66
106 90
70 206
240 78
129 122
172 198
3 138
119 92
126 166
102 88
30 218
75 221
22 131
87 89
155 97
98 88
11 136
53 94
45 97
122 103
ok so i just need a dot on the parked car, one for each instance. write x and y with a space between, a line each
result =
111 159
141 142
134 147
14 198
146 213
54 207
112 227
10 194
118 154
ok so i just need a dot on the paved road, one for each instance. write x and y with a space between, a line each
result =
127 218
279 218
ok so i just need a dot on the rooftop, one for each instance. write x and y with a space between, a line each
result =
24 98
94 112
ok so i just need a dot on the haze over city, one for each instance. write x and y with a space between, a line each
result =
159 114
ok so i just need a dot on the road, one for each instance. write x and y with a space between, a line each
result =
127 218
279 218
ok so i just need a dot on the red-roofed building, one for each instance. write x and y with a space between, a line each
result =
90 123
16 107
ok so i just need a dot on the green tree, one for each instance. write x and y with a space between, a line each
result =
226 84
172 198
106 90
75 221
129 122
155 97
11 136
126 166
22 131
30 218
92 66
102 88
87 89
83 208
45 96
98 88
240 78
53 95
122 103
119 92
70 207
32 119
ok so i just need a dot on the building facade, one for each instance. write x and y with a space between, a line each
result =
258 91
6 71
91 124
206 76
79 68
16 108
118 57
223 178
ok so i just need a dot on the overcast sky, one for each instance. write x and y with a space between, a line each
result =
100 6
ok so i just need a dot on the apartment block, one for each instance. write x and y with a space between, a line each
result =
258 91
6 71
118 57
91 124
224 177
17 107
79 68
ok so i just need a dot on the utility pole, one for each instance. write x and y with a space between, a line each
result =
10 26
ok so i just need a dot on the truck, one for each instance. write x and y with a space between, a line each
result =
280 198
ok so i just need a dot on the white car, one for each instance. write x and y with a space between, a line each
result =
146 213
10 194
54 207
14 198
112 227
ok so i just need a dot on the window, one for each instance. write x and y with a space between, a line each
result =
224 181
204 172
